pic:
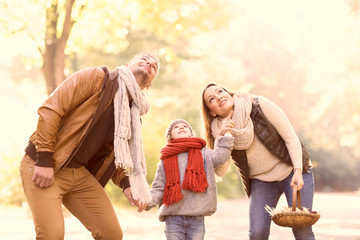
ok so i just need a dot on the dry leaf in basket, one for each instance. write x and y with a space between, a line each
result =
274 211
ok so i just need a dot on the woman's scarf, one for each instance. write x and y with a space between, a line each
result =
243 131
195 177
128 147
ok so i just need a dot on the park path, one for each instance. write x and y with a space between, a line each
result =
340 220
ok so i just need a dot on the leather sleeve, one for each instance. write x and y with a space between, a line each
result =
121 178
76 89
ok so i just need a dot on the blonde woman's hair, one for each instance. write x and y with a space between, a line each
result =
207 117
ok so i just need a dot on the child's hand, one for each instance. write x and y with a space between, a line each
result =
141 207
227 125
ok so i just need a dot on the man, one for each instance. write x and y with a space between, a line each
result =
89 131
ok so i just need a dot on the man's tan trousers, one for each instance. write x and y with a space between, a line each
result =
80 193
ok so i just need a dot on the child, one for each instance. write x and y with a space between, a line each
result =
184 184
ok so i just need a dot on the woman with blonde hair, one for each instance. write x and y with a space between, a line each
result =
267 152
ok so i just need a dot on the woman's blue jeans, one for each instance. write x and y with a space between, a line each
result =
268 193
184 228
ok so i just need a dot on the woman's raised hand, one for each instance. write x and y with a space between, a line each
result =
227 125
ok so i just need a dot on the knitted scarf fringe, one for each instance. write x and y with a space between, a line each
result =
172 193
140 188
195 181
128 146
195 177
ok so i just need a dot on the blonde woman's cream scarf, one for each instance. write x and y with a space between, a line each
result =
243 131
128 146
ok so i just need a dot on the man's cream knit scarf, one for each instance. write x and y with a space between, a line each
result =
243 132
128 146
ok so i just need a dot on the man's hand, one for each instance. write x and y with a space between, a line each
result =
43 176
128 195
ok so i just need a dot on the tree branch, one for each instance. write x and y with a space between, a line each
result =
68 23
36 44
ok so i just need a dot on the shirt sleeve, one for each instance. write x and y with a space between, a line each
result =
157 187
222 150
121 178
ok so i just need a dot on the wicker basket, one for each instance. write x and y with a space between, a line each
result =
296 219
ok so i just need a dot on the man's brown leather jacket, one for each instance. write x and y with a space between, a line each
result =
68 115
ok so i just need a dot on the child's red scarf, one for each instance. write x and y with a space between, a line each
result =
194 179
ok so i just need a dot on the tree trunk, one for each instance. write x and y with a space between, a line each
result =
54 55
50 46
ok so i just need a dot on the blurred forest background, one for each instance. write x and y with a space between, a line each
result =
303 55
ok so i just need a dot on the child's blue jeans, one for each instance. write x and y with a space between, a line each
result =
184 228
268 193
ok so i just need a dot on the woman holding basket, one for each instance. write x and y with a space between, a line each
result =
268 153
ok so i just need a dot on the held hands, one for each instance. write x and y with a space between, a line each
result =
227 125
134 202
141 206
43 176
297 180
